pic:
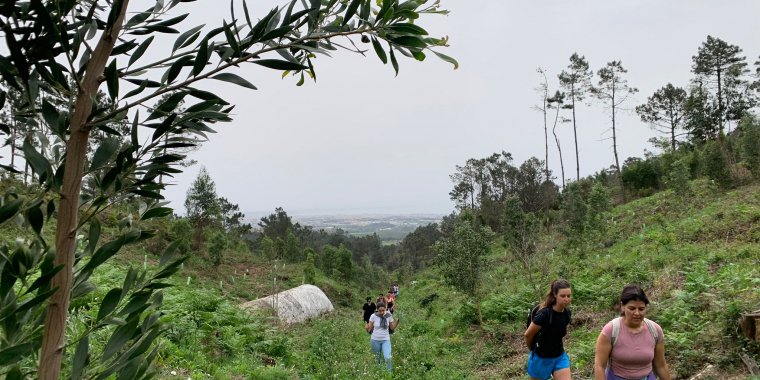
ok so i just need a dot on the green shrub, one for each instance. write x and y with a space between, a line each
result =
181 231
678 176
638 174
217 244
750 145
714 164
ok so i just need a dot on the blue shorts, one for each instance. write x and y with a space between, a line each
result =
543 368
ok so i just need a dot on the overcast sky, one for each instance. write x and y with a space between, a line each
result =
363 141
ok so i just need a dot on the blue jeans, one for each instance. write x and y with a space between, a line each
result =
382 349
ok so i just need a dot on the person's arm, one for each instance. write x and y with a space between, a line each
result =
370 325
659 364
601 356
530 334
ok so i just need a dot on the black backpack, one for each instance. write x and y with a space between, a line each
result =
533 311
532 314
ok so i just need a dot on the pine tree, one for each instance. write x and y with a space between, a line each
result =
576 82
664 111
202 205
612 91
721 64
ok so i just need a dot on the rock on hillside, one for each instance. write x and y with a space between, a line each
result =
295 305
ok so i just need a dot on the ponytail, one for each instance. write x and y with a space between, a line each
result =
554 288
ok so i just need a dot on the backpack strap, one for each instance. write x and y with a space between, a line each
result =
648 322
615 330
652 330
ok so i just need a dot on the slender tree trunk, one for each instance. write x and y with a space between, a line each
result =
672 127
53 340
720 102
614 149
575 136
559 149
546 142
472 196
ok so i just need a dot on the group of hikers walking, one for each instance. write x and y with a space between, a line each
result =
629 347
380 323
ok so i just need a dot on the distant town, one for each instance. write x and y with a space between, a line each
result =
389 228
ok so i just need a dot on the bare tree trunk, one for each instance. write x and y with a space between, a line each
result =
720 103
53 340
575 136
614 149
672 127
546 143
559 149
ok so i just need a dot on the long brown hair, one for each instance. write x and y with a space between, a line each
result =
554 288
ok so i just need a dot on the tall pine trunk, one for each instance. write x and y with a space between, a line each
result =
575 136
559 148
614 149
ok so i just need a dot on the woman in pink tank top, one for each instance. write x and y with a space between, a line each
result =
631 347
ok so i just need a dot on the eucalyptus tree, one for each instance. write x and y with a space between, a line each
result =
613 90
576 82
664 111
721 64
92 44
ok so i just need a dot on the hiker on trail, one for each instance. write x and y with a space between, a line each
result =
631 346
369 309
548 325
381 325
380 298
394 289
390 301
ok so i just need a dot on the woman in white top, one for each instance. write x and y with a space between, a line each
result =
381 325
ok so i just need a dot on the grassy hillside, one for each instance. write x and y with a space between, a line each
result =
697 254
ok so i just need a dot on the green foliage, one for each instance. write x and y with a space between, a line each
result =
678 177
181 232
217 244
521 232
574 211
664 112
293 248
641 175
202 205
343 264
482 185
279 248
310 268
714 164
276 225
750 145
462 257
267 248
